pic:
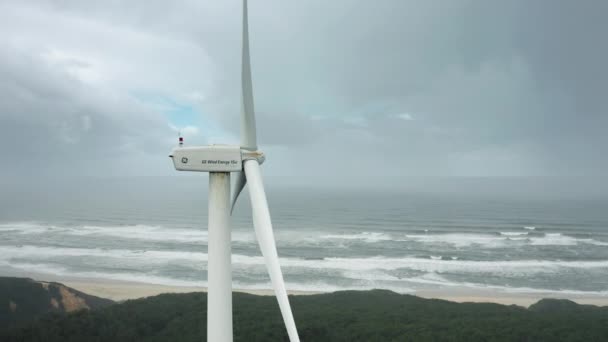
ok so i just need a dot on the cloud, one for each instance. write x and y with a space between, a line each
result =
483 88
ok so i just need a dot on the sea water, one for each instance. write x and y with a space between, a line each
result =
327 239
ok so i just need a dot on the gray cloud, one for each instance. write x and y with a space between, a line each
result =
490 88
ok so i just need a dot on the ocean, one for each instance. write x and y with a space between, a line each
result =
155 232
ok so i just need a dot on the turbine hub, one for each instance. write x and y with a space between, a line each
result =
253 155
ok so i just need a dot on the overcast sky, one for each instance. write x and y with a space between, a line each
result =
346 91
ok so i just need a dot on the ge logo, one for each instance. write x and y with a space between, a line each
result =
184 160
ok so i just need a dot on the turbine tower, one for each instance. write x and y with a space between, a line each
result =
220 161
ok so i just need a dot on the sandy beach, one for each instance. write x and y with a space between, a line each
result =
120 291
462 295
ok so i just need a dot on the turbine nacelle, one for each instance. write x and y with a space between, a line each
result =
213 158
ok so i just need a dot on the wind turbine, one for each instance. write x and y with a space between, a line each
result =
220 161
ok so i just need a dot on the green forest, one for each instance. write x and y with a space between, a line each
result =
376 315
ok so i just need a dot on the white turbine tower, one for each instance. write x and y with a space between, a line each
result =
220 161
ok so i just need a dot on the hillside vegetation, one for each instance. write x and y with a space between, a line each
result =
23 299
342 316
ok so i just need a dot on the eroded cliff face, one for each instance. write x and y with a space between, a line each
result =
23 299
71 301
63 298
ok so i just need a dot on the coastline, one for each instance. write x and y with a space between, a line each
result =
120 290
463 295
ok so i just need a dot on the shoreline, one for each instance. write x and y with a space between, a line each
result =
464 295
120 290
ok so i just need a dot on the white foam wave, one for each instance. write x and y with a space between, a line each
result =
530 227
370 275
593 242
458 240
432 278
511 268
513 233
352 264
143 232
134 232
297 238
364 273
520 267
553 239
365 236
27 227
557 239
149 256
505 239
52 269
438 280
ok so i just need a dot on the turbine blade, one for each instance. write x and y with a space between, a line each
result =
238 187
248 130
263 231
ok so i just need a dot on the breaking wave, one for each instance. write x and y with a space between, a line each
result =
398 274
294 237
432 264
513 233
364 236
